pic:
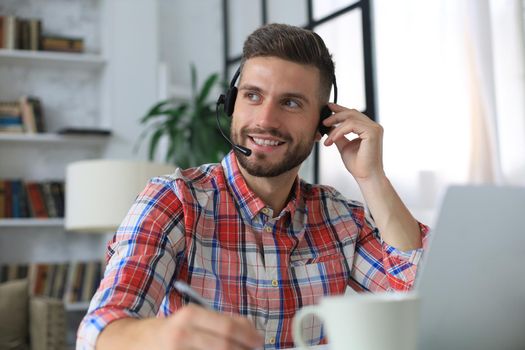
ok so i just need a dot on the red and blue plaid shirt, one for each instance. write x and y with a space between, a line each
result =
206 227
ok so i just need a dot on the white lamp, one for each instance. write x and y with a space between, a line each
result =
99 193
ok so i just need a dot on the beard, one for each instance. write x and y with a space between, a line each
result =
260 164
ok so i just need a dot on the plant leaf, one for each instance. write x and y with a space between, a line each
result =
143 134
154 142
189 127
155 110
205 91
193 81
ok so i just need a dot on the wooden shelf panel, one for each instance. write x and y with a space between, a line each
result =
94 140
58 59
32 222
80 306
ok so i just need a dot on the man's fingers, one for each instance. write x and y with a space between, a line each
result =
201 339
345 128
344 114
238 329
334 107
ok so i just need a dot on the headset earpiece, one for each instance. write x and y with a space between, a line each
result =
229 98
325 113
229 101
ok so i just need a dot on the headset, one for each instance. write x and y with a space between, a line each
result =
228 100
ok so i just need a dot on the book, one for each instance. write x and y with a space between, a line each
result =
79 282
11 124
89 279
18 199
28 115
50 280
10 33
71 277
10 117
75 280
24 202
99 273
57 291
2 32
37 206
2 199
10 272
57 191
84 131
40 279
38 111
51 205
10 108
22 27
8 206
72 282
35 32
62 44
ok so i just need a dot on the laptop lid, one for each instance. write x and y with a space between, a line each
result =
472 281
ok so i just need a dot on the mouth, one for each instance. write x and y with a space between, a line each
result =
265 142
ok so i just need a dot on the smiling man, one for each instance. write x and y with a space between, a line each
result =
249 235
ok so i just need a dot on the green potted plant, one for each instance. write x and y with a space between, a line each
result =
189 127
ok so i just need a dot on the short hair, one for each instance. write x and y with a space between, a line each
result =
294 44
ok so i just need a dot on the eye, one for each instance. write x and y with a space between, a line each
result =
253 97
290 103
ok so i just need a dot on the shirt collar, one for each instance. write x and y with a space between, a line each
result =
249 203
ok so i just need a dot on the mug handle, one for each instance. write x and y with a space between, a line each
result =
297 324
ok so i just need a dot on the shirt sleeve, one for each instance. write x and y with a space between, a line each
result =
140 261
378 266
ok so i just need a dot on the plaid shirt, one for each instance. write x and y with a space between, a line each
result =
205 226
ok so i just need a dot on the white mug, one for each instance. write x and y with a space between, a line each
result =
365 321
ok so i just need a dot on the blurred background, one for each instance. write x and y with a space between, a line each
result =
137 80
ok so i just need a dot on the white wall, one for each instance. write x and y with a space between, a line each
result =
133 51
190 32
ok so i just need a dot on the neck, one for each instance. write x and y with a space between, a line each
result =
274 191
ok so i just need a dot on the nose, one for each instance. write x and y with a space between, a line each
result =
268 115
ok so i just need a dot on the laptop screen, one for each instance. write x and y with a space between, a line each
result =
472 281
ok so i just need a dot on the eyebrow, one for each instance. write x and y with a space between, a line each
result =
295 95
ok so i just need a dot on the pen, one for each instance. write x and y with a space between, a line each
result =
194 297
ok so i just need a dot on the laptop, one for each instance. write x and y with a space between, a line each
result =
472 279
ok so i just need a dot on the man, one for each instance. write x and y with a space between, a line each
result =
248 235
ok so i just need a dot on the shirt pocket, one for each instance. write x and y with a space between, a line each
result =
316 277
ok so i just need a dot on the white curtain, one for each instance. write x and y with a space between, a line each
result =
451 96
508 34
485 165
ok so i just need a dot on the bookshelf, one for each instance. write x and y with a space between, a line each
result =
81 306
53 139
70 60
110 87
31 222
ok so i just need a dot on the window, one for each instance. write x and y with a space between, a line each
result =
347 30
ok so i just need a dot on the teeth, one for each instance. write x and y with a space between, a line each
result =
263 142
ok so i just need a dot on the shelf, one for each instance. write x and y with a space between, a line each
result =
93 140
58 59
80 306
32 222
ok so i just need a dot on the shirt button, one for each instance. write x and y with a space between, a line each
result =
272 340
268 229
266 211
275 283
